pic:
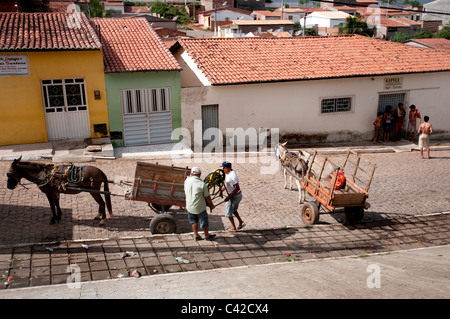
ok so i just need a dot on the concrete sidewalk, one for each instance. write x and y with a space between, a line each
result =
78 150
414 274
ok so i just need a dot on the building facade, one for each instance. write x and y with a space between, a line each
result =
142 83
51 79
325 89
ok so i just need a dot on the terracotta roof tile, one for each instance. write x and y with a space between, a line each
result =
435 43
132 45
252 60
46 31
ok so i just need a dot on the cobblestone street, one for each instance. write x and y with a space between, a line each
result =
403 184
409 210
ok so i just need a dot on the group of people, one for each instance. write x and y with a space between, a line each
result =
394 119
197 198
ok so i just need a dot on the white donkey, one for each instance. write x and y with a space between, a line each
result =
299 163
299 166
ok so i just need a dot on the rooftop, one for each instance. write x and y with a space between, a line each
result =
132 45
440 44
262 22
253 60
332 14
46 31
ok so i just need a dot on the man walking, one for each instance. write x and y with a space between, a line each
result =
234 196
425 129
196 193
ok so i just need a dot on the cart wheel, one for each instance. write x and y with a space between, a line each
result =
157 208
354 214
163 224
310 213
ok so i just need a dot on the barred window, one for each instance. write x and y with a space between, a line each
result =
335 105
136 101
64 95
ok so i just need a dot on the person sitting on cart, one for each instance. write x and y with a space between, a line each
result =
196 193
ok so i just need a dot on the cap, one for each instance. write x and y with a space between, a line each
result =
226 164
196 171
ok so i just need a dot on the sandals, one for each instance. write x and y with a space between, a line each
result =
242 226
210 237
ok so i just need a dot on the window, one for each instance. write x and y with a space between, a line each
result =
64 95
335 105
145 100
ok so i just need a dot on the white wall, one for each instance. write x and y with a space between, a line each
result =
294 107
231 15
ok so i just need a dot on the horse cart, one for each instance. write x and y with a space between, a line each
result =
162 186
324 183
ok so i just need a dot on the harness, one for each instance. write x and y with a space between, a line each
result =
61 175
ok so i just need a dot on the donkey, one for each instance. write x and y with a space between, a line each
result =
297 162
53 180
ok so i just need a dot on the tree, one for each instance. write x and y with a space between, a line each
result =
170 11
354 25
400 37
96 9
423 34
444 33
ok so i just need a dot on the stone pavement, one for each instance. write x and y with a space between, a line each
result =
404 192
31 265
407 274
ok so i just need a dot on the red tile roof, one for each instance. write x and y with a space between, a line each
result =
252 60
132 45
440 44
46 31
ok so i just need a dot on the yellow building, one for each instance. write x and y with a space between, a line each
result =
52 83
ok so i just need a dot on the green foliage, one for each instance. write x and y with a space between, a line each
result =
96 9
310 32
400 37
354 25
423 34
412 2
170 11
444 33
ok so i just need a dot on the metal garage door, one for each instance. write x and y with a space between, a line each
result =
147 116
210 124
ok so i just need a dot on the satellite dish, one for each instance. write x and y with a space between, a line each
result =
175 18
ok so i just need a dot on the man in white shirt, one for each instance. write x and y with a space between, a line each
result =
234 196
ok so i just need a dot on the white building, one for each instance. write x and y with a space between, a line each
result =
436 7
310 89
325 19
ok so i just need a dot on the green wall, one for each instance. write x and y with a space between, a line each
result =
140 80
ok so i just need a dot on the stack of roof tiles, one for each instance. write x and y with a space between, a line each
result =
46 31
132 45
251 60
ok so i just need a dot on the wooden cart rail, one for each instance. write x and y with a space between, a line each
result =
320 184
161 186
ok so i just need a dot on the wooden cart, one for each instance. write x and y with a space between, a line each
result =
352 197
161 186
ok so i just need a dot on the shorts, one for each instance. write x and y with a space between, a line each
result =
424 141
232 205
201 218
411 127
